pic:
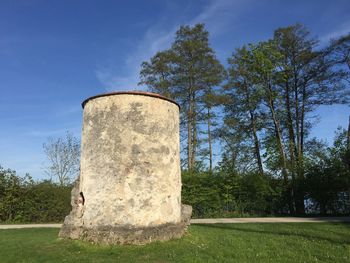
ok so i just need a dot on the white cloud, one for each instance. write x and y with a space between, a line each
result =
154 40
217 15
343 29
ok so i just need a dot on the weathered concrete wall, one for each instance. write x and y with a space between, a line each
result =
130 167
130 164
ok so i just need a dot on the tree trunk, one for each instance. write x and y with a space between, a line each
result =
280 149
292 144
194 133
256 142
348 153
297 116
322 209
254 132
300 195
348 137
293 151
189 136
210 142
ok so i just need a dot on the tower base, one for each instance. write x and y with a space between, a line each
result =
72 229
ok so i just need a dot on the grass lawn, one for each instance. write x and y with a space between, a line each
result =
287 242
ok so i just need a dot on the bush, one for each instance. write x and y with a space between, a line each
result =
22 200
227 195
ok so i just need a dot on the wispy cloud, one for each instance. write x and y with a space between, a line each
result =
155 39
343 29
217 15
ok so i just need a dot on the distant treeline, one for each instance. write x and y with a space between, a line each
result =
226 193
222 193
256 115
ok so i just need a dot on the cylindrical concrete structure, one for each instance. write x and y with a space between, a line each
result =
130 160
130 178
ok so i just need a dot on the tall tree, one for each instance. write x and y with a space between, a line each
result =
211 99
340 50
185 72
157 74
244 101
266 62
283 80
309 81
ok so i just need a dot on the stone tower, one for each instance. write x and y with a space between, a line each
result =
129 189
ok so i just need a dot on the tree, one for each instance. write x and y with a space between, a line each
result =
211 99
11 195
310 80
63 156
186 72
328 177
282 81
157 74
340 51
243 104
266 63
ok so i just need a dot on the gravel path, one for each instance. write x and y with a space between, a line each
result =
30 226
220 221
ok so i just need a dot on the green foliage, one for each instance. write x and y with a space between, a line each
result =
22 200
226 195
229 193
202 193
189 72
327 184
327 180
273 91
255 194
50 202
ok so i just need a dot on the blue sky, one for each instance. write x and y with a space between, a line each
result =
54 54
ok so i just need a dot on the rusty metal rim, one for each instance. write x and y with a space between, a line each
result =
141 93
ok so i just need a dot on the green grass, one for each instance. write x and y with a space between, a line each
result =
298 242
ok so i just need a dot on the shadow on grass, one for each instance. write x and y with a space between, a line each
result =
341 239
